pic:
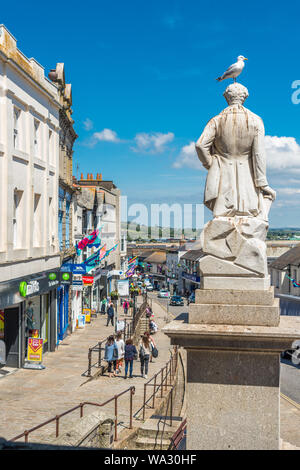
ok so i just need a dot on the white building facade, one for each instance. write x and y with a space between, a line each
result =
29 163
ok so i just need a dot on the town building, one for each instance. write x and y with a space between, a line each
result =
100 204
285 275
29 179
67 137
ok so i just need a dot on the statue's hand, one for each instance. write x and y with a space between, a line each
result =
268 192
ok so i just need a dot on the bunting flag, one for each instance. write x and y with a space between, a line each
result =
295 284
90 240
130 272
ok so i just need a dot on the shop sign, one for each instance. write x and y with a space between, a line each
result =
120 325
77 288
35 349
88 280
40 284
73 268
66 278
33 287
87 313
123 287
81 321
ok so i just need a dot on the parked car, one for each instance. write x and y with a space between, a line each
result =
176 300
292 354
149 287
191 299
163 294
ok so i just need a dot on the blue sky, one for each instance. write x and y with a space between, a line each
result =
143 82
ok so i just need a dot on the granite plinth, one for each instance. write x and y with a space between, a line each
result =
235 307
233 382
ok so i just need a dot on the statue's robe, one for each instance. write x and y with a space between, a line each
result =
231 147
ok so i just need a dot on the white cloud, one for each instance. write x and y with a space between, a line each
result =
107 135
188 158
283 153
152 143
88 124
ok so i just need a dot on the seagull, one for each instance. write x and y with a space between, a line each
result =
234 70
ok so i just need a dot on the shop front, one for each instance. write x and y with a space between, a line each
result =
28 308
63 304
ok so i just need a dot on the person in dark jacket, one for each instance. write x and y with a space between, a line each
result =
130 354
110 314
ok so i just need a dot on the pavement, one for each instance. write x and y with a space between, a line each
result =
30 397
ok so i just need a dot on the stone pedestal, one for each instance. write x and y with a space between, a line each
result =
233 380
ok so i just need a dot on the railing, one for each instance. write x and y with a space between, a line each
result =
56 419
163 379
178 436
98 348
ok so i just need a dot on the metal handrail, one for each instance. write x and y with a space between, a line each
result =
80 406
170 370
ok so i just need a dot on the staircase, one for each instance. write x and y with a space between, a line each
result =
156 433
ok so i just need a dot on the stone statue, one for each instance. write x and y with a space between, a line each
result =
231 148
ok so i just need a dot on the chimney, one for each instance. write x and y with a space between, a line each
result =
81 176
100 177
91 176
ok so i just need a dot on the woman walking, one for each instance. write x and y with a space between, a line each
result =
145 351
121 350
125 306
111 355
130 355
152 342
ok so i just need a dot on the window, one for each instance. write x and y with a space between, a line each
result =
51 221
50 146
37 221
16 135
36 135
18 222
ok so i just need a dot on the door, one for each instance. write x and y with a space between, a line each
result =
11 336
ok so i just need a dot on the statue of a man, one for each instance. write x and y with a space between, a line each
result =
231 147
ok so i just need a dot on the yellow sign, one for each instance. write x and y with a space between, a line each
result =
35 349
87 313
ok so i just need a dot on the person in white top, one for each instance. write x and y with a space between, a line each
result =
121 351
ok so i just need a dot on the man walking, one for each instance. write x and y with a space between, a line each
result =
110 314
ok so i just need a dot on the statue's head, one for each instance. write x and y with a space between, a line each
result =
236 94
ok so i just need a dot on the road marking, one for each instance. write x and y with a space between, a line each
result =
294 403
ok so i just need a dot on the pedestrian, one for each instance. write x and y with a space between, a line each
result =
153 326
130 355
103 306
125 306
111 355
145 351
121 350
153 344
110 314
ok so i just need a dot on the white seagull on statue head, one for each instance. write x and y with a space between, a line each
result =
234 70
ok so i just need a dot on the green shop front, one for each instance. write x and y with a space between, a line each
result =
28 307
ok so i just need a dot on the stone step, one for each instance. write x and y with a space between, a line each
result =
150 443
